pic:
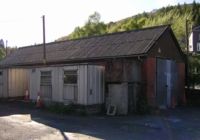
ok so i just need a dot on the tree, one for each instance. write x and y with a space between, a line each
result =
93 26
195 14
94 18
2 53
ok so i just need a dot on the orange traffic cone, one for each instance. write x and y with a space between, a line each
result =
39 101
26 97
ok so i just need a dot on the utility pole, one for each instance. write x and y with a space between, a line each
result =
187 56
44 40
186 32
6 47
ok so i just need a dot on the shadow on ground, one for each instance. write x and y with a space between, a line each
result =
181 123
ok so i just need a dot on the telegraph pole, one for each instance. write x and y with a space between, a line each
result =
6 47
44 40
187 56
186 32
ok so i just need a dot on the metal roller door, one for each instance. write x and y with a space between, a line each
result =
166 82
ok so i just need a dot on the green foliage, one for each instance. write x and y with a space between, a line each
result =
92 27
174 15
2 53
194 70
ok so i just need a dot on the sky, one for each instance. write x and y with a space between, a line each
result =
21 20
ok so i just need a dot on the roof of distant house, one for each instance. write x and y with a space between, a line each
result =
196 28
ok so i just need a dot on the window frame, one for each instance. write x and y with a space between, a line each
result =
46 81
199 36
198 46
72 75
1 73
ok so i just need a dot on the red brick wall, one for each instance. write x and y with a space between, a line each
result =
181 82
149 78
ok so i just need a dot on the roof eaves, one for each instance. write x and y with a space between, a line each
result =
70 61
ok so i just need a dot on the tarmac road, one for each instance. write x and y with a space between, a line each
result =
21 122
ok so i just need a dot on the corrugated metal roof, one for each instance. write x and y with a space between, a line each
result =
128 43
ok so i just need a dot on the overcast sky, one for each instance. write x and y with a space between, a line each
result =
21 22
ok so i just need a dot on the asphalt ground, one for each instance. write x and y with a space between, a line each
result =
21 121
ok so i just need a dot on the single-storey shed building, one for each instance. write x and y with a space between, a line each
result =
112 69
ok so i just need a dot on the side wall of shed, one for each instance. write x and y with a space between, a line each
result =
95 87
90 83
18 82
4 83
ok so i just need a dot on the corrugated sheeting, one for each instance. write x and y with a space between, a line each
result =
164 82
90 84
18 82
14 82
4 83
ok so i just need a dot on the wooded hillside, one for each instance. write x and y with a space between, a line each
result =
174 15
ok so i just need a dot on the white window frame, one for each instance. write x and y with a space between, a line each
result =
198 47
199 37
70 75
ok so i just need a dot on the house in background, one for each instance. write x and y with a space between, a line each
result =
2 45
112 69
194 40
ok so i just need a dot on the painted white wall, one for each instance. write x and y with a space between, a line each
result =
191 47
95 85
90 77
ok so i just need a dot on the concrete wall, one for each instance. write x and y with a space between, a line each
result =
90 83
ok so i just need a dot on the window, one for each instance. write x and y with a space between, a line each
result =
45 78
198 46
45 84
1 73
70 77
33 70
199 37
